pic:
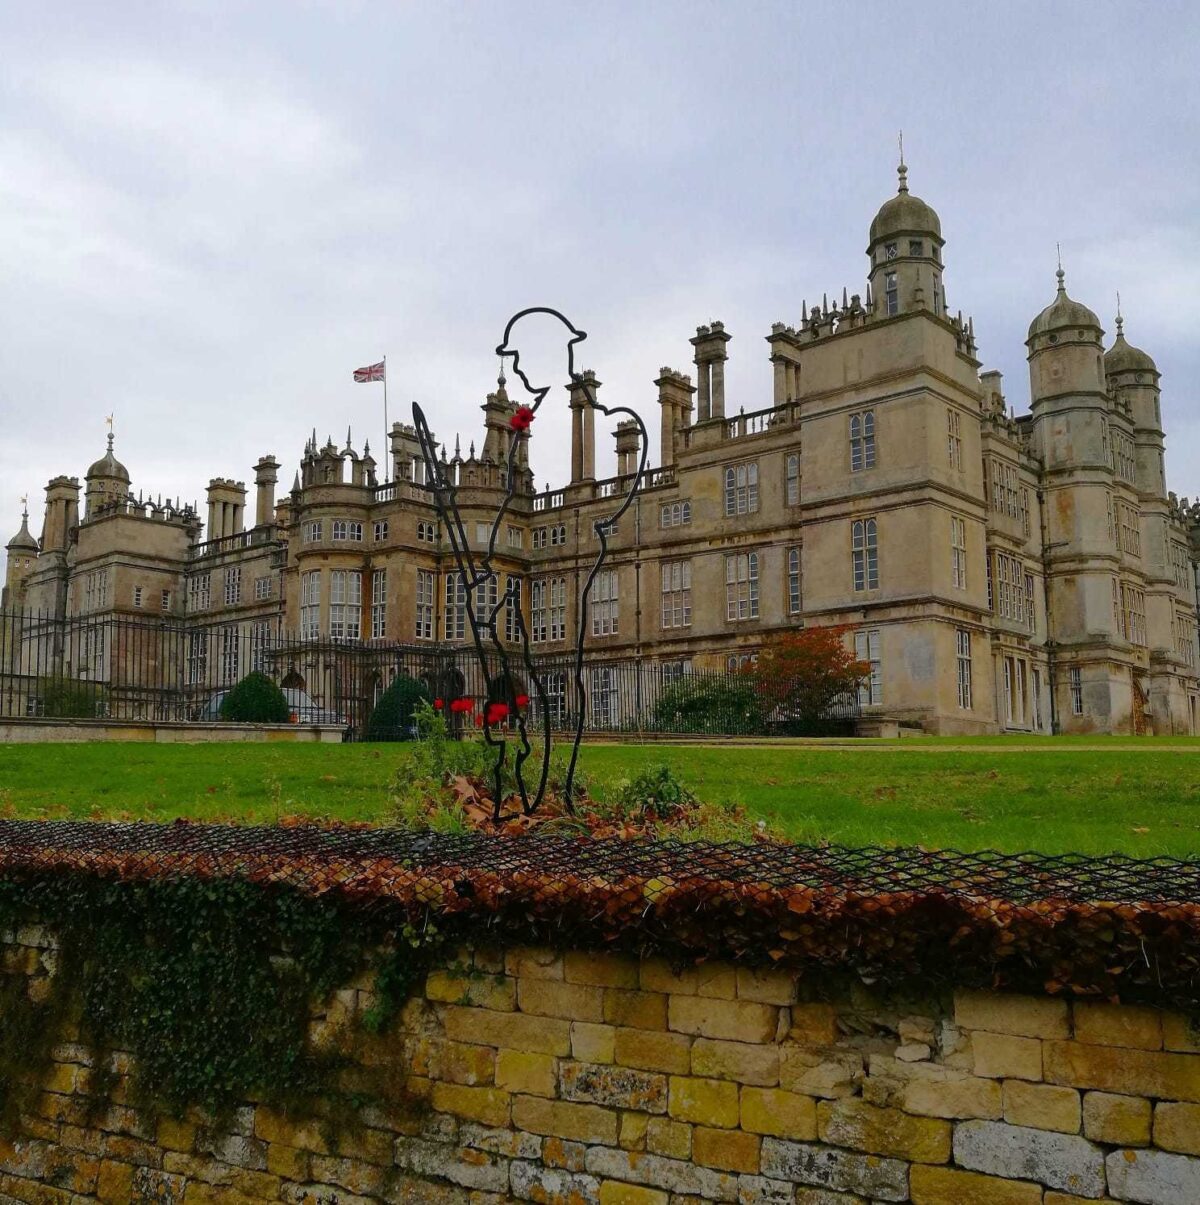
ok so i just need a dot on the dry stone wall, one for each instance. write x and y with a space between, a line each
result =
572 1078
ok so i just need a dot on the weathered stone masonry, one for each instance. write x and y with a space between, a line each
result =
581 1078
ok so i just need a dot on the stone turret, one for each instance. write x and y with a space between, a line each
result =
905 249
107 482
22 552
1133 378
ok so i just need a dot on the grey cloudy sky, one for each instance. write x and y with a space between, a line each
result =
210 213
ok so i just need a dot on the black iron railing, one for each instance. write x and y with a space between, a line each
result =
174 669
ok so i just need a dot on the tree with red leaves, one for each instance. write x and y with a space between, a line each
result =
801 674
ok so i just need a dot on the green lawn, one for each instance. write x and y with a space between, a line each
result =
1142 798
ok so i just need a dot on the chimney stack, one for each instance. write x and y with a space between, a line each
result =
675 391
226 506
266 474
583 428
709 343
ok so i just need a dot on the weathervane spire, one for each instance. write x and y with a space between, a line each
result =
1120 320
902 170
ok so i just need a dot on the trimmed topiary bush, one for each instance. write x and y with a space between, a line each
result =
255 700
392 719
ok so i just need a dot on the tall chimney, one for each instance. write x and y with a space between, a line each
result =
583 428
62 513
709 343
629 448
675 391
266 474
226 505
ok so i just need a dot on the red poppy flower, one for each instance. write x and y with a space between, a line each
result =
479 721
461 705
496 712
438 704
521 420
522 700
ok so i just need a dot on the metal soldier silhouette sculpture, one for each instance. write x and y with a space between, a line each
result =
486 606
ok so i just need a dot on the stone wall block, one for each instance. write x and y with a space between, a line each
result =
957 1099
1129 1072
766 986
635 1009
496 992
839 1171
733 1020
614 1087
1003 1056
745 1062
1153 1177
532 1074
725 1150
1042 1106
828 1073
1118 1025
948 1186
1021 1016
489 1106
670 1175
1063 1161
600 970
592 1043
533 1183
571 1001
1118 1120
709 1102
533 962
778 1113
512 1031
758 1190
649 1051
565 1119
1177 1127
864 1127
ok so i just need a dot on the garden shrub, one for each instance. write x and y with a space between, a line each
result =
255 700
725 705
68 698
393 717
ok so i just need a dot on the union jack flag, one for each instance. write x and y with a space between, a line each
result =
372 372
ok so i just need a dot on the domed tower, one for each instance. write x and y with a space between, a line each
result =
107 482
22 552
1066 380
1133 381
905 249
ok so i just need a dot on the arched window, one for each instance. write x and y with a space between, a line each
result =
864 551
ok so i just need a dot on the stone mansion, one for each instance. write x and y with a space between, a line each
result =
997 573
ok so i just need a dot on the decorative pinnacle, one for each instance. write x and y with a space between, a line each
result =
1120 320
1062 276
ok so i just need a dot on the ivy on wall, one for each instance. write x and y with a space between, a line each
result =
208 984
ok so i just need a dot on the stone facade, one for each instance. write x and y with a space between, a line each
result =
572 1078
1000 573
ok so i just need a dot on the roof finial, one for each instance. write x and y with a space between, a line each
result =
24 506
109 420
1062 276
1120 320
902 170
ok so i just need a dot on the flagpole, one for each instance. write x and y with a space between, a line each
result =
387 434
